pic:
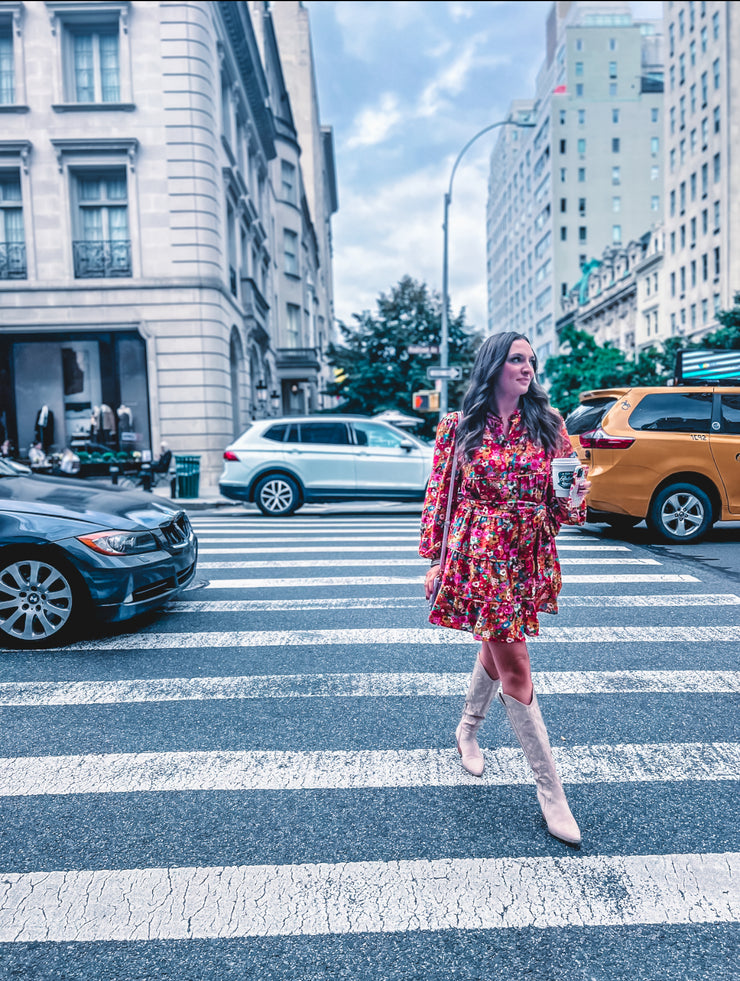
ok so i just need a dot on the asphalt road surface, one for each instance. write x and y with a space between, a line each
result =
260 782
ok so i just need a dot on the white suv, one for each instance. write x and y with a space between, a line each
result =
281 464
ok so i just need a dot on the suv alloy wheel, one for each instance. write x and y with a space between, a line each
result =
277 496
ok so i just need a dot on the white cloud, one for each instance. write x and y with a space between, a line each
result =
397 231
364 25
449 82
373 125
460 11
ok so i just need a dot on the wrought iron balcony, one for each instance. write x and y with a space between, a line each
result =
12 260
102 260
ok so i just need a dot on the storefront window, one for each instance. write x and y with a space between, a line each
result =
68 390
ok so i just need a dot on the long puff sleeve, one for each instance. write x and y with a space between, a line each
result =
438 488
563 512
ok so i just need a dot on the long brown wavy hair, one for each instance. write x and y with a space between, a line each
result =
541 421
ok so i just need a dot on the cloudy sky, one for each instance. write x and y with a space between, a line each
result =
405 85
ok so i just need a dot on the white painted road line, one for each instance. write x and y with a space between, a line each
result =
236 548
296 605
293 583
368 897
320 529
267 538
275 770
429 636
376 685
339 563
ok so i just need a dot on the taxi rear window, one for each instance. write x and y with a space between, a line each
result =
673 412
588 416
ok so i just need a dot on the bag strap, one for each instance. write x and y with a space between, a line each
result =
448 515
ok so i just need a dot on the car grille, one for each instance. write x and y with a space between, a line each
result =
185 574
177 533
154 589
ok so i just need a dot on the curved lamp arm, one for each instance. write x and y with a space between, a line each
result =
444 339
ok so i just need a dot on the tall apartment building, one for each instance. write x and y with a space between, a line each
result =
702 193
588 174
317 197
148 164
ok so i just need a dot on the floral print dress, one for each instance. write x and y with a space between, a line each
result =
501 567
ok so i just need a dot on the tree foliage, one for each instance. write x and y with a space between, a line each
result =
373 368
583 364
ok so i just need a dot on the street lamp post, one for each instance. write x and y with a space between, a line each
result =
445 339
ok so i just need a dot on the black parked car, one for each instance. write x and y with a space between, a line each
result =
72 550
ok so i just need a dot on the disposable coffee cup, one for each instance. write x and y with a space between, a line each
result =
563 471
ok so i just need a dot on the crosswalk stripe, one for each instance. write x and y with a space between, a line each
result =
375 685
306 528
428 636
296 605
317 581
266 538
369 897
284 770
236 548
318 529
338 563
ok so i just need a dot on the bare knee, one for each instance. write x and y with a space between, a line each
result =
512 665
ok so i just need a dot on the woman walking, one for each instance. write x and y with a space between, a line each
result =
501 567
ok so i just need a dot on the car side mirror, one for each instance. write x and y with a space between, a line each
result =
407 445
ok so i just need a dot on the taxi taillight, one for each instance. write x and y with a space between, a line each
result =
597 439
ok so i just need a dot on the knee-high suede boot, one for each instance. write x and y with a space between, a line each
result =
481 692
529 727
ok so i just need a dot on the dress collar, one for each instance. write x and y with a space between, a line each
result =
496 423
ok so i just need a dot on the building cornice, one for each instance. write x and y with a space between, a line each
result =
246 53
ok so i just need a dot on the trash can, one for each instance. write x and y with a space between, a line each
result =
187 476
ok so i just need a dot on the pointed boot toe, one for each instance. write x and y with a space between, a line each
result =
561 824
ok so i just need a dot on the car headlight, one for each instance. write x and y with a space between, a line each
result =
120 542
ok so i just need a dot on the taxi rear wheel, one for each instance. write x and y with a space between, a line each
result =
681 512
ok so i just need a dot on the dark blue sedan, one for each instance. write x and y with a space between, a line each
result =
72 551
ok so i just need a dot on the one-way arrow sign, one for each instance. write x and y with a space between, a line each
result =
437 371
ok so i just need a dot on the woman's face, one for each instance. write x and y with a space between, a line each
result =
516 373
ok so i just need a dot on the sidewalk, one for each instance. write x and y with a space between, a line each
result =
208 497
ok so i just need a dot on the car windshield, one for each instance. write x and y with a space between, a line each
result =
588 416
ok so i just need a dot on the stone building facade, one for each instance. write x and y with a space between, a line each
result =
142 201
604 301
702 184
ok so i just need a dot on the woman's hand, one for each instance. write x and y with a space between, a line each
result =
581 487
429 580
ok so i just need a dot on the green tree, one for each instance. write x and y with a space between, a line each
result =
728 335
373 369
583 365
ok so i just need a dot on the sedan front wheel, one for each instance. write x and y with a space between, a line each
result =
37 602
